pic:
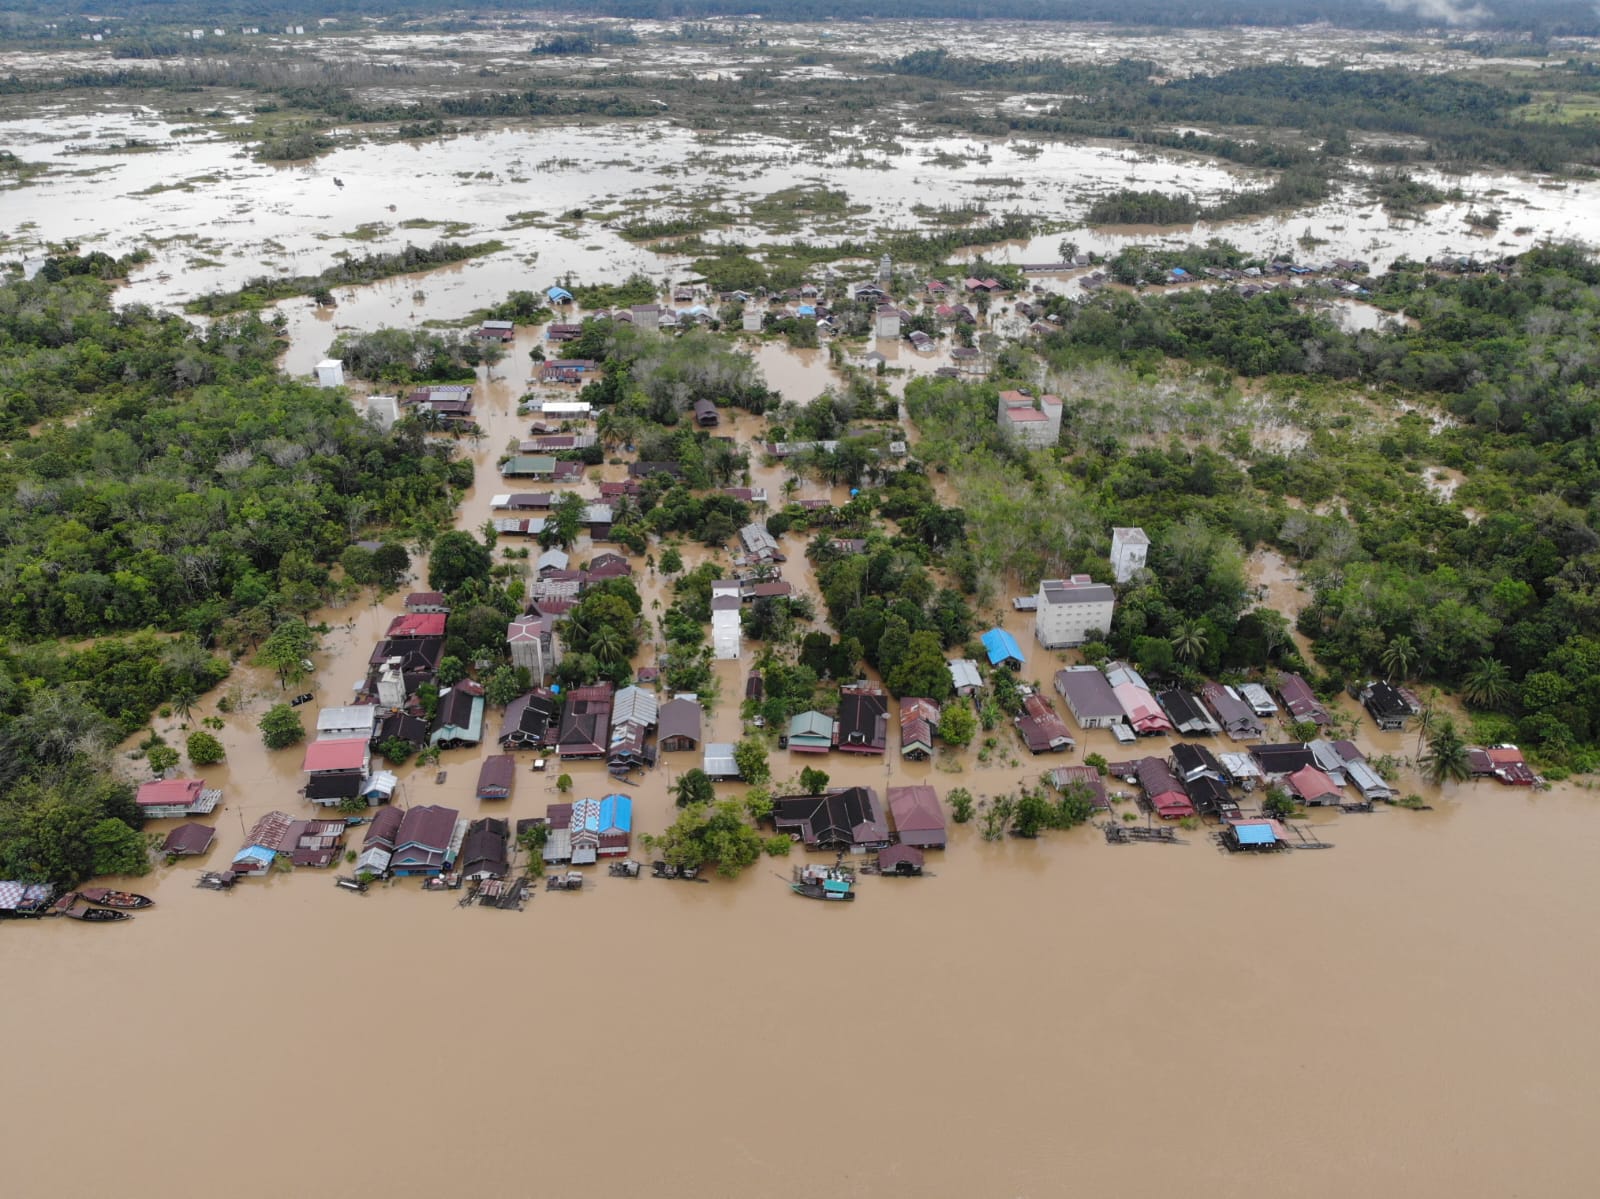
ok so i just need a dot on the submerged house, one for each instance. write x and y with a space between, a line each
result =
378 846
1162 790
1313 788
964 676
1089 697
586 723
678 724
1042 730
1261 703
1188 715
336 769
1138 702
1280 761
1299 700
1002 649
718 762
1234 715
918 819
850 819
918 720
425 843
483 850
1086 778
1387 705
459 721
496 776
528 720
863 723
811 733
163 799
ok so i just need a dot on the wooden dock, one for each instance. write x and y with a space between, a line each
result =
1124 834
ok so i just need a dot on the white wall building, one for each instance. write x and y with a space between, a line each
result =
1069 610
888 324
330 373
1129 548
383 411
753 317
1034 423
533 644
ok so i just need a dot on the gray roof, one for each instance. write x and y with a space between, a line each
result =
1064 591
679 718
964 673
633 705
719 761
1088 693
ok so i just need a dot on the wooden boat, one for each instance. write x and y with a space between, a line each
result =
107 898
824 882
570 881
96 915
354 821
688 874
627 868
217 880
345 883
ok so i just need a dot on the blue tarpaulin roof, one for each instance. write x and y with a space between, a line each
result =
616 811
255 853
559 295
1255 834
1002 646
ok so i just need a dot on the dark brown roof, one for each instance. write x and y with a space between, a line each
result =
429 826
863 723
191 838
496 774
384 828
918 819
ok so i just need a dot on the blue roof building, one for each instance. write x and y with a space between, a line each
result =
1003 649
558 295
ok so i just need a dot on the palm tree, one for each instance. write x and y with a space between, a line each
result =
1446 759
1399 657
1427 721
183 705
607 645
1189 640
1488 683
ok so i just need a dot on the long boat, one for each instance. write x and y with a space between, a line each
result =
824 882
107 898
80 911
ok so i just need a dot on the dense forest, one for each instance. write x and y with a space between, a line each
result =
192 501
1494 593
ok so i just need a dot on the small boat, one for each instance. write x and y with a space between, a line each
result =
96 915
354 821
217 880
570 881
688 874
627 868
824 882
107 898
345 883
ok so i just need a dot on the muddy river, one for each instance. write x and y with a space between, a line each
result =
1405 1013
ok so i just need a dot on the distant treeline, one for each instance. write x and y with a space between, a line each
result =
1458 120
1557 17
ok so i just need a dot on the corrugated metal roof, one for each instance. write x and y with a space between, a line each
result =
1001 646
1255 834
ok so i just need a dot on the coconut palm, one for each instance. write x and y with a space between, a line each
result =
608 645
1188 640
1399 657
1488 683
1446 759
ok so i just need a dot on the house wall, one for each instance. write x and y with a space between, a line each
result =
1127 556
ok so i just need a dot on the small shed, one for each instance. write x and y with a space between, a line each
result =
496 776
330 373
811 733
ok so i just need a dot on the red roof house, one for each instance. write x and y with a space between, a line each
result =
918 819
1312 787
418 624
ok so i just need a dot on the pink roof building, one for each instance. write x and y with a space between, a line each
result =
1312 787
336 756
161 799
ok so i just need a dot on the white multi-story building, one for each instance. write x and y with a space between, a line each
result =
533 644
1129 548
888 325
1069 610
1035 423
